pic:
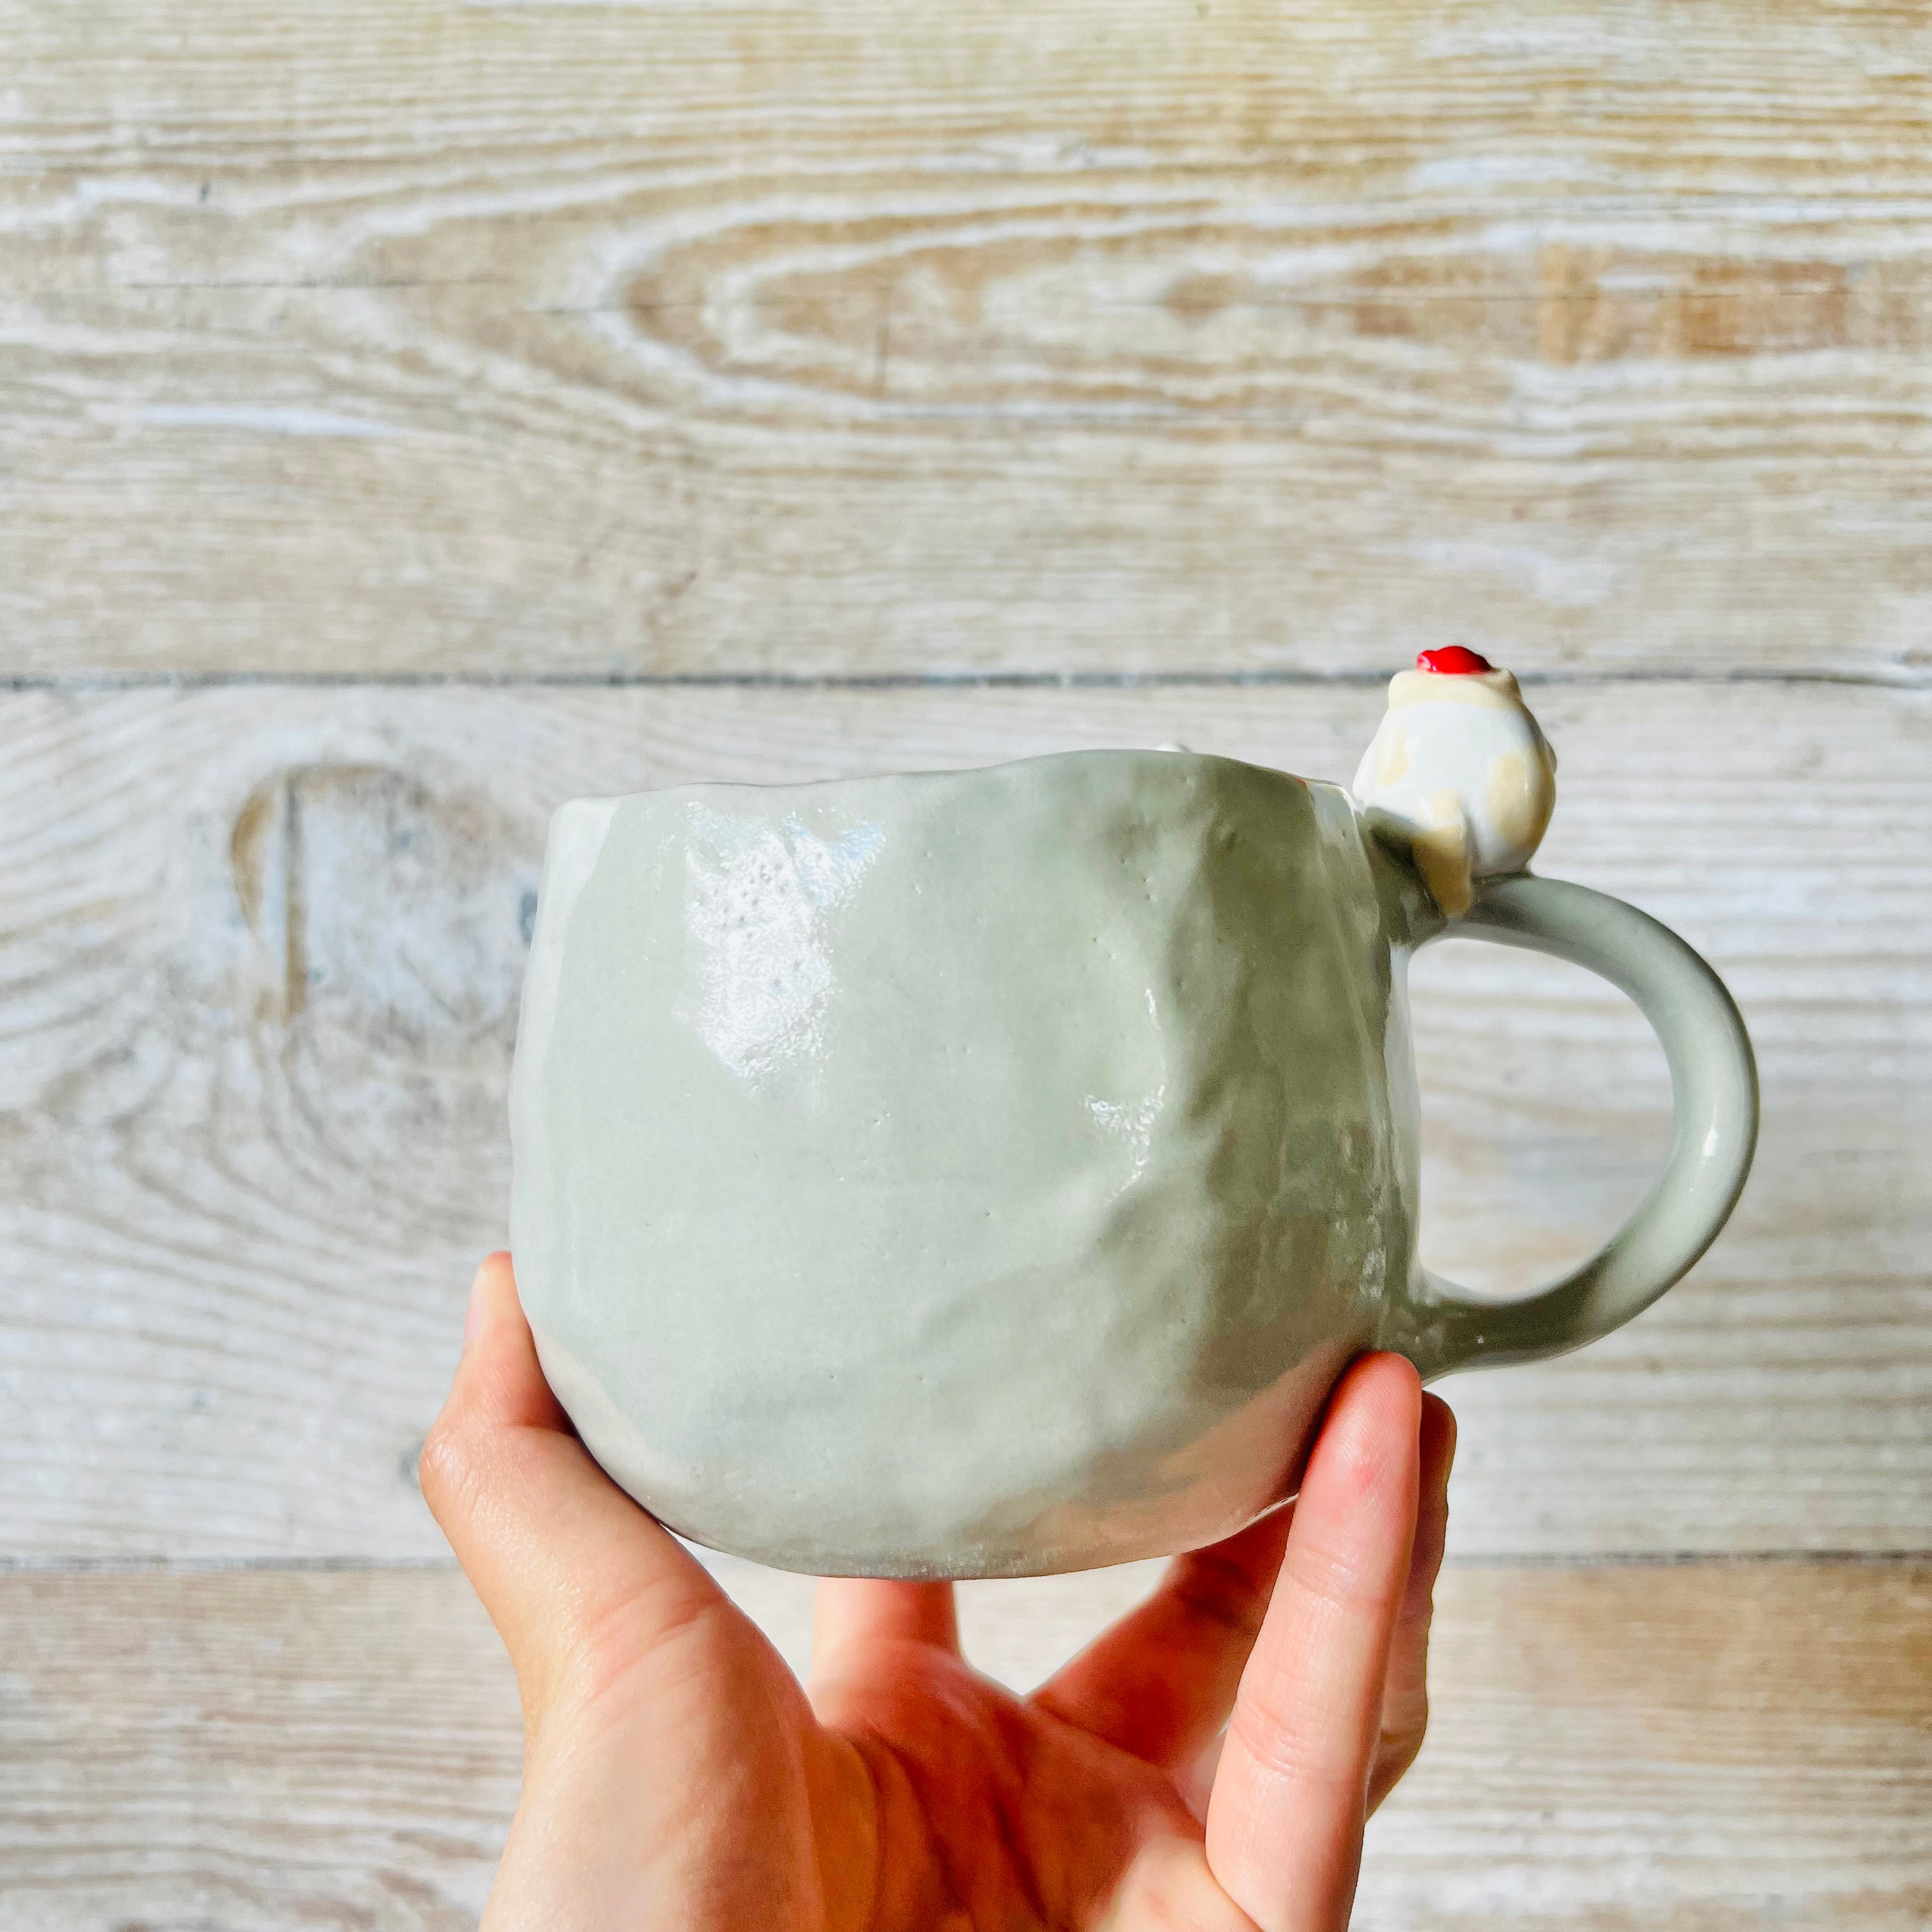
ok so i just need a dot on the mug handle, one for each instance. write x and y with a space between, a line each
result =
1714 1107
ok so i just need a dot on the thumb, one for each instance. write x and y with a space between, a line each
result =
576 1578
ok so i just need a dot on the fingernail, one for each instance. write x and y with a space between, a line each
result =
472 1319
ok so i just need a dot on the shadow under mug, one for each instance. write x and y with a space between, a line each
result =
988 1173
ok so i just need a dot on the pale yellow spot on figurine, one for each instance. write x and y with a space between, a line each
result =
1391 756
1519 795
1441 850
1509 795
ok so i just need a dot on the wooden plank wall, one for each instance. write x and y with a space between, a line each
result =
413 414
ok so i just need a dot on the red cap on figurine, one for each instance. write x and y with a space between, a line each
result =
1454 660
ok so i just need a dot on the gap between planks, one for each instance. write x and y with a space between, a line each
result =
352 1566
1708 1748
89 683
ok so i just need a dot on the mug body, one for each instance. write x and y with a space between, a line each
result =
964 1175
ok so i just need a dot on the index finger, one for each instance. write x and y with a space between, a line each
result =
1290 1800
554 1548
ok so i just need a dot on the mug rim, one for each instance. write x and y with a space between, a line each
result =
700 788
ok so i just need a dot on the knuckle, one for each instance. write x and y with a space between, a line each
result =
1402 1741
1337 1579
1288 1749
1168 1887
1415 1624
1396 1750
447 1467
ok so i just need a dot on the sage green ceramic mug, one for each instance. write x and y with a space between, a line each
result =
989 1173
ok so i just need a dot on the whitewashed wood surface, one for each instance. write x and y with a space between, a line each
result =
261 955
1716 1748
876 334
413 414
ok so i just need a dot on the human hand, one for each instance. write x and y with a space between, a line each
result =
676 1775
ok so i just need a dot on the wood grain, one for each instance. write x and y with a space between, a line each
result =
260 951
597 340
1154 334
1682 1748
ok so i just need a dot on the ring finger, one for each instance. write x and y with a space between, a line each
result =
1406 1693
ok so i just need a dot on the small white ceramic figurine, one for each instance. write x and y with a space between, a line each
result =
1459 763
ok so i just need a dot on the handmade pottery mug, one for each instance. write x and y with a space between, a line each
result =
989 1173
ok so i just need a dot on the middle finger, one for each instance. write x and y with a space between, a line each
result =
869 1609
